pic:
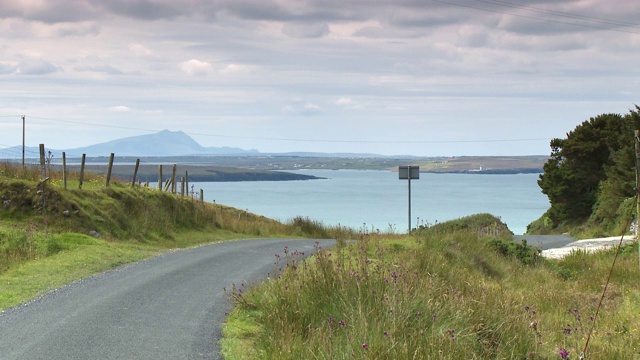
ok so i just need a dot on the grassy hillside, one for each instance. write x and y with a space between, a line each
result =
50 236
448 293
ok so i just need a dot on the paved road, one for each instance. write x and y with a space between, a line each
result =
163 308
546 241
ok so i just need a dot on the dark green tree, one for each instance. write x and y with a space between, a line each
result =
579 163
620 179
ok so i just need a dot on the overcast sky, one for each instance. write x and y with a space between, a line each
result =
420 77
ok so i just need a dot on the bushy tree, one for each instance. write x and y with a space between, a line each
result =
594 152
620 179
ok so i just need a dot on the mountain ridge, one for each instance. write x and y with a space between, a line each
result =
162 143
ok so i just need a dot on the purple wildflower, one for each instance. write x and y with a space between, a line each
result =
563 353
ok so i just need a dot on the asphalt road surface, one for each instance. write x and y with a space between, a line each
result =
168 307
545 242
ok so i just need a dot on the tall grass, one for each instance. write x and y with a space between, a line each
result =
34 216
50 236
442 296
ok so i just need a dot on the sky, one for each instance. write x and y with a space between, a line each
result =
410 77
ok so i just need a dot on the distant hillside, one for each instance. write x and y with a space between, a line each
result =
162 144
485 164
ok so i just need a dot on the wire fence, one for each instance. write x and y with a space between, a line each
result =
48 162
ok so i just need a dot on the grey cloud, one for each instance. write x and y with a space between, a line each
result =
145 9
7 68
394 13
49 11
36 67
306 30
378 32
107 69
77 30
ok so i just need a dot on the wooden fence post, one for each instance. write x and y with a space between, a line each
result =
84 157
43 172
64 170
173 179
186 180
135 173
109 169
43 181
182 186
160 177
201 195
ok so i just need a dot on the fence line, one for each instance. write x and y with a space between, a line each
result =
44 160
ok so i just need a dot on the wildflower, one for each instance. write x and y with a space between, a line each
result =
385 333
365 346
330 320
342 323
567 330
563 353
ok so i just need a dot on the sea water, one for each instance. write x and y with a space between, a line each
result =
379 200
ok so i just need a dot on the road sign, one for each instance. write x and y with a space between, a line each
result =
409 172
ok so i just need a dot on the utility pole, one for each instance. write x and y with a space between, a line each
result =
637 143
23 136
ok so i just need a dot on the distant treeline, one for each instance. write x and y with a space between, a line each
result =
197 173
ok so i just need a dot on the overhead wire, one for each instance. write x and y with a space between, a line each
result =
561 13
305 139
536 18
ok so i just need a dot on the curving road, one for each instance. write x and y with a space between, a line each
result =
168 307
545 242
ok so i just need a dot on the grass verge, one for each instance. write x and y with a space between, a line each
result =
440 295
50 236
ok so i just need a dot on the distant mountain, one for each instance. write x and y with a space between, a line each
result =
163 143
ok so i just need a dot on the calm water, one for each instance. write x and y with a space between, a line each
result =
379 199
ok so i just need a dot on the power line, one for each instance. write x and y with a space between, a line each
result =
561 13
538 18
93 124
332 141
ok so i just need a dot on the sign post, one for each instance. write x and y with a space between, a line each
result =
409 172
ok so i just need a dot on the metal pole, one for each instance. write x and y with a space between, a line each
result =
409 181
637 143
23 136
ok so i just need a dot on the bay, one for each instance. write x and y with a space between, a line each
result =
378 200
